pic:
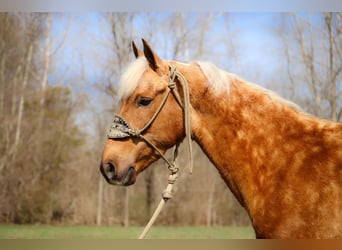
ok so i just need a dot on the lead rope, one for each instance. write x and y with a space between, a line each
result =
167 193
186 108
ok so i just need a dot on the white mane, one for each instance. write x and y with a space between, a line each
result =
218 79
131 77
275 97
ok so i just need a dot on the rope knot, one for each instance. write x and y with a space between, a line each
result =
172 85
135 133
173 72
172 178
173 169
167 195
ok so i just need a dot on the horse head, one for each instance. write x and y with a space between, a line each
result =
149 122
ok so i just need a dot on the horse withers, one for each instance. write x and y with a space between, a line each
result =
282 164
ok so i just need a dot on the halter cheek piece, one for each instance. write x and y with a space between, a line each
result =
121 129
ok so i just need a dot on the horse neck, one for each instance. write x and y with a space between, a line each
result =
234 129
277 160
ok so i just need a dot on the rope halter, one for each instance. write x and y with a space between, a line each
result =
120 128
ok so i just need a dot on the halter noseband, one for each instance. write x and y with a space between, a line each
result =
120 128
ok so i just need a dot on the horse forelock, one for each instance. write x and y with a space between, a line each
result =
131 77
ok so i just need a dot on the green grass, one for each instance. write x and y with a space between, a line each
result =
93 232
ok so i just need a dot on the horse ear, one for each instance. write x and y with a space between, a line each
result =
137 52
152 58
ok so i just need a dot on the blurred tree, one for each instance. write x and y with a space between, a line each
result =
48 155
18 36
35 146
313 46
122 28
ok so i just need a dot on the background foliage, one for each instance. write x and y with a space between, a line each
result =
54 119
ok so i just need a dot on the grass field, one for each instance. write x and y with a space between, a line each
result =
93 232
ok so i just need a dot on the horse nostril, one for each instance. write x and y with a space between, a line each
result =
109 170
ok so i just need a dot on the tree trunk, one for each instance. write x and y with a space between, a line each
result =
210 208
149 178
2 84
22 96
99 202
126 208
46 70
332 82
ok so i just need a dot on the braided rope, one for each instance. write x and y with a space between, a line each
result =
121 129
186 110
167 193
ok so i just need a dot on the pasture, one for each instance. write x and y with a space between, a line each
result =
108 232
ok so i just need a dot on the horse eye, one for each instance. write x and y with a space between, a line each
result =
144 101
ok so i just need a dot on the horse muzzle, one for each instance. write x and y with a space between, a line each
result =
114 176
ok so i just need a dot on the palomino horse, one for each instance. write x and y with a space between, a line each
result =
282 164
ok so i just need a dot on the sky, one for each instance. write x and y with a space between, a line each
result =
83 35
81 39
175 5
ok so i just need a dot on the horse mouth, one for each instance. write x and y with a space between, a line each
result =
114 178
129 179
